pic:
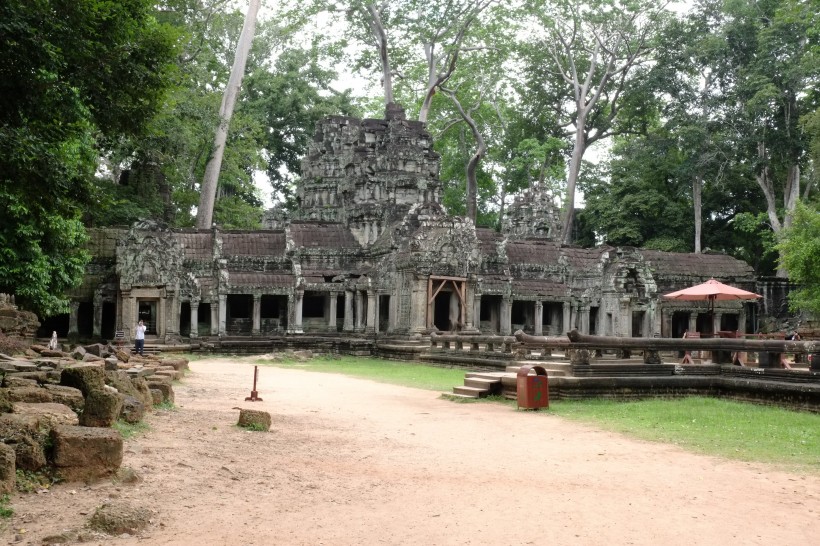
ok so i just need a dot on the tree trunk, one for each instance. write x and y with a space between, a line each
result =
697 191
572 179
380 35
207 197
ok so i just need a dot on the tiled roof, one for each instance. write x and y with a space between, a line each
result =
198 244
322 235
531 252
261 279
253 243
720 266
538 287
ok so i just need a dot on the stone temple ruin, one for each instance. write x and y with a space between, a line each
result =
372 255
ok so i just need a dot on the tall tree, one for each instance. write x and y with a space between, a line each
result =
72 74
211 178
770 70
593 48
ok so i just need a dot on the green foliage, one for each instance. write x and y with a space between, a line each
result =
6 511
254 427
165 405
386 371
72 74
799 248
28 481
129 430
724 428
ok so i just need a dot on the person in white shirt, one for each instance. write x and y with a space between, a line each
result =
139 339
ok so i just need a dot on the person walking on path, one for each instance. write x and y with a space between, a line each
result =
139 339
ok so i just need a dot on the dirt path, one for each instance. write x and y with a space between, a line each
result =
355 462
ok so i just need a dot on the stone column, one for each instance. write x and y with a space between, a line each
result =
215 317
741 320
73 319
583 318
299 299
98 305
348 322
223 314
565 319
716 320
331 311
359 311
477 311
693 321
257 314
538 319
124 315
506 317
370 327
194 319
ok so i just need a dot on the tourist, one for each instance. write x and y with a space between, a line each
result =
53 345
139 339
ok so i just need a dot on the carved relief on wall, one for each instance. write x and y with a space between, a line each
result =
148 256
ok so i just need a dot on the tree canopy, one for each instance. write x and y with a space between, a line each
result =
680 131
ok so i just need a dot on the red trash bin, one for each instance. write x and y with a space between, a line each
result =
533 391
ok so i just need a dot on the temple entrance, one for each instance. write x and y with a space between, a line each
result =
489 320
445 303
147 313
637 323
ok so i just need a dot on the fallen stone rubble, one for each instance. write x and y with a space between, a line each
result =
57 408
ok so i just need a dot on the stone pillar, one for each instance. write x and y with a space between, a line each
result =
370 327
741 320
73 320
98 305
331 311
666 322
348 322
477 311
194 319
257 314
693 321
359 311
506 317
215 317
223 314
124 314
299 299
716 320
392 312
565 319
583 319
538 319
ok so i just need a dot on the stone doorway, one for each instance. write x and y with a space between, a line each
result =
446 308
147 313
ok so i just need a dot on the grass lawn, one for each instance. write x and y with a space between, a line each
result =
733 430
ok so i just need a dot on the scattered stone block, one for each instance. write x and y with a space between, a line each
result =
78 353
71 397
8 469
86 377
165 388
178 364
122 356
112 364
24 366
117 518
86 453
29 394
254 419
49 413
132 410
102 408
95 349
52 353
88 357
14 380
156 397
23 434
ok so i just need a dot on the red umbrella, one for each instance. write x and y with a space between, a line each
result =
710 291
